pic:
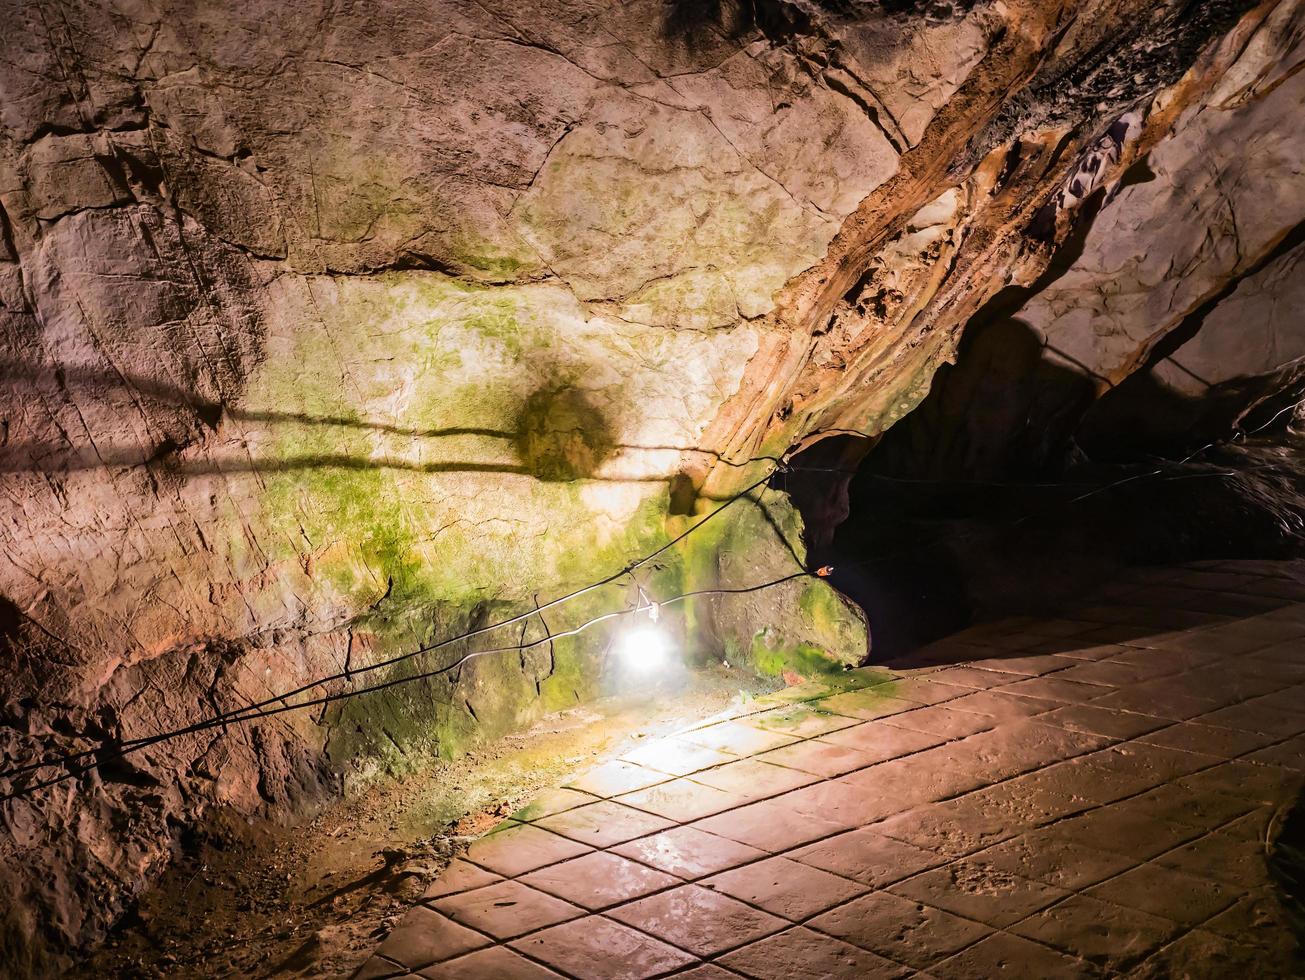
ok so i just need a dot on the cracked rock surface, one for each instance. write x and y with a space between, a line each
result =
328 330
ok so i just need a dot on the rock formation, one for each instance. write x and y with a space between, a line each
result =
329 330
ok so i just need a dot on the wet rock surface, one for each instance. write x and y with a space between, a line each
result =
328 331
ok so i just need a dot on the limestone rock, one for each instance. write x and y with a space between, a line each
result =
328 331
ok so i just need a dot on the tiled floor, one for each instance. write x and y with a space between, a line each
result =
1087 796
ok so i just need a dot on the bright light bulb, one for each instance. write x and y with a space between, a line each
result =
644 649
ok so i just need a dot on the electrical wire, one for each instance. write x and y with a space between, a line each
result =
258 709
279 704
138 745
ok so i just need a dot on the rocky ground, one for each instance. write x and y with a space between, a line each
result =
251 899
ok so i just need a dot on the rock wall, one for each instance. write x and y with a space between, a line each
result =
331 329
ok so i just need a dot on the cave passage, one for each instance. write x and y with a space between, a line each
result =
426 429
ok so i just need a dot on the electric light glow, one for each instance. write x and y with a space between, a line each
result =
644 649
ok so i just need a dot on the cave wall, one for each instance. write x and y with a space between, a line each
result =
330 329
1165 314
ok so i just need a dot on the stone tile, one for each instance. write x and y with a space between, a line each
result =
898 929
1035 798
708 971
595 948
1107 935
1002 954
1288 699
867 703
900 784
1289 650
786 888
552 801
681 800
604 824
1105 643
1176 803
376 968
974 677
506 909
847 804
1165 703
737 738
819 758
496 963
1289 754
944 721
1055 688
976 890
769 825
689 853
1043 857
974 755
1026 666
1014 747
1002 705
1102 721
950 650
800 721
1108 673
677 757
753 779
1224 743
928 690
1122 831
616 777
698 919
952 829
1100 784
1229 684
1149 765
867 856
801 954
1163 660
423 937
518 849
1233 861
459 876
1166 892
1259 783
1252 827
881 741
1252 717
599 880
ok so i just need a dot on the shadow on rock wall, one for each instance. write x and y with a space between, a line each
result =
561 432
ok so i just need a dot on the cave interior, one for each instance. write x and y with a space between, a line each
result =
765 488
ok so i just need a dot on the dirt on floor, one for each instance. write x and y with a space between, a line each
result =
253 899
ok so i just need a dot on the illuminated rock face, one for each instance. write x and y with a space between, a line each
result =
327 332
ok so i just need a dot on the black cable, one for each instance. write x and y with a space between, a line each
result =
139 745
236 714
261 710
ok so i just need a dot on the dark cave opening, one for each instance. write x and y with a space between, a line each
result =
927 550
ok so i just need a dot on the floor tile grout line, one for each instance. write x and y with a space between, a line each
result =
1132 867
818 778
1112 741
785 792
